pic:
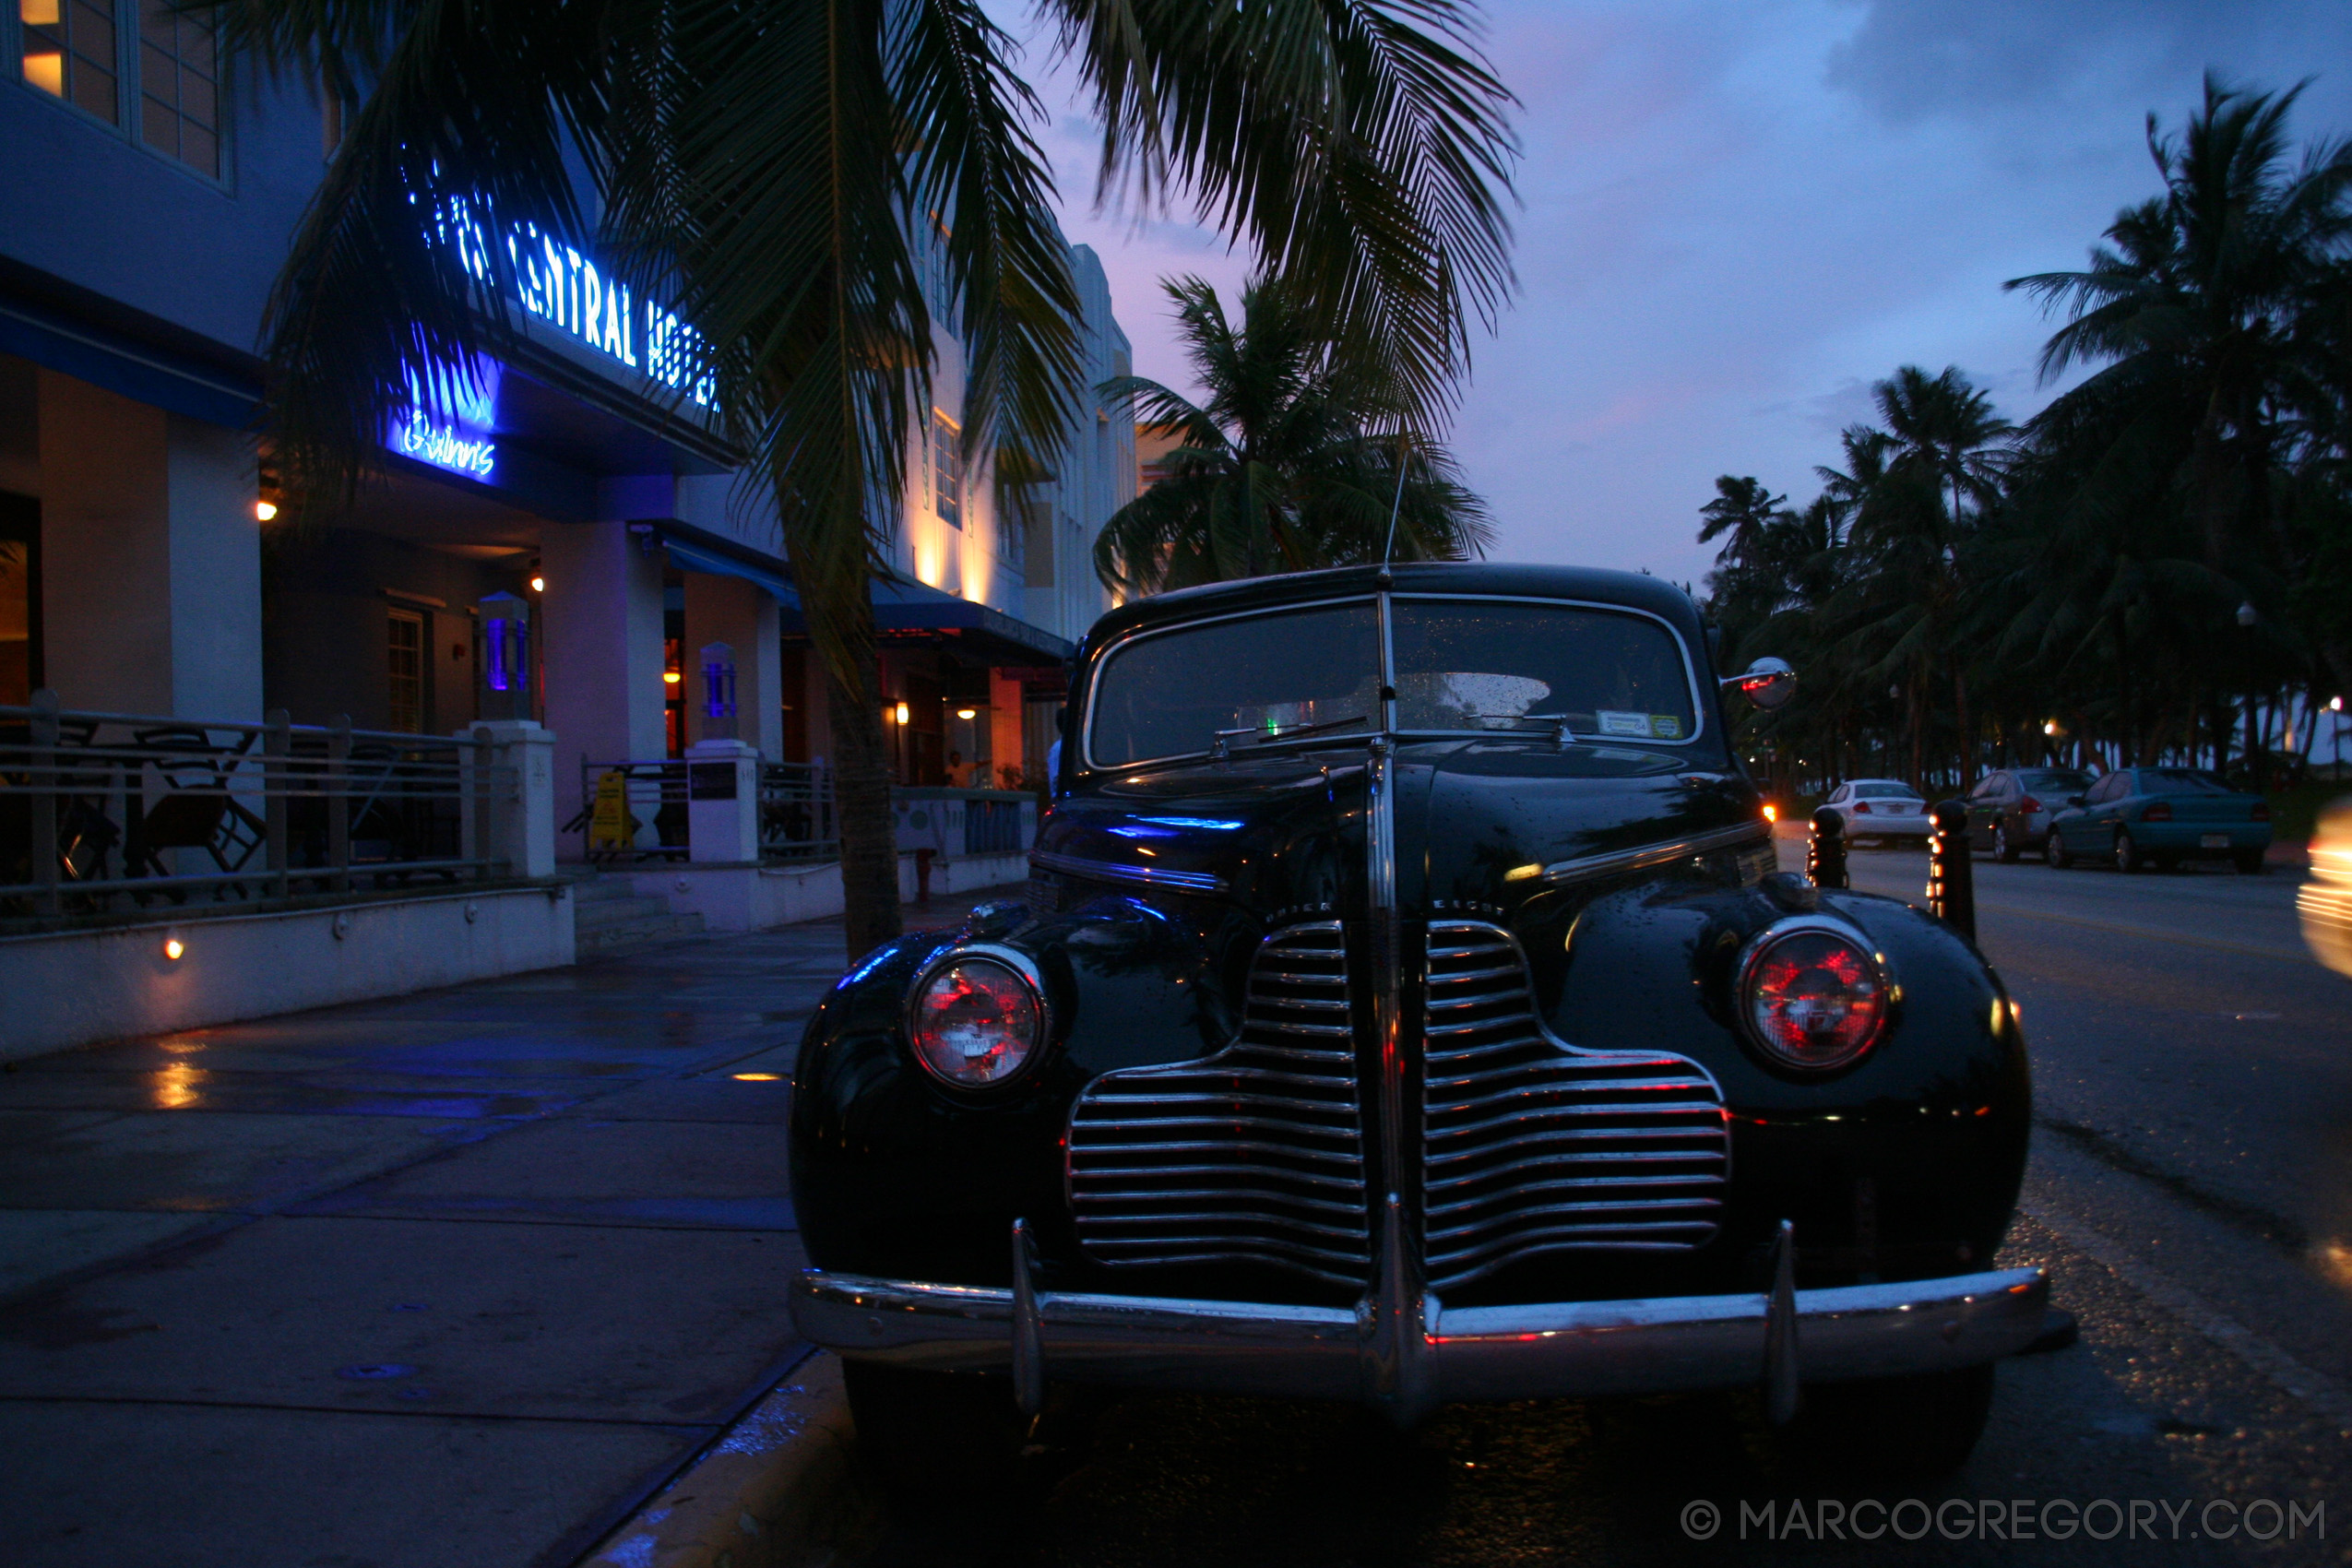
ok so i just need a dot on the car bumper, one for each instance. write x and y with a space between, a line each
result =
2189 838
1880 827
1558 1349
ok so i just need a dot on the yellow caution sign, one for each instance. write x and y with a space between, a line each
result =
610 825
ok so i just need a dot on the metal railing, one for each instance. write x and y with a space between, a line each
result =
796 817
97 808
955 823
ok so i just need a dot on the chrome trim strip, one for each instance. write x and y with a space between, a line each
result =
1117 871
1541 1350
1586 867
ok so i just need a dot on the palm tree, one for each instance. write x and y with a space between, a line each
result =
1743 508
2213 312
1297 459
763 161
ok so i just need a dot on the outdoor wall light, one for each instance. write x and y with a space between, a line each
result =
173 947
900 713
264 511
967 713
539 583
671 677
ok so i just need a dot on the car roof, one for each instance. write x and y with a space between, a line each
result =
1634 590
1858 783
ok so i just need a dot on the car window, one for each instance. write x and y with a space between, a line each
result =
2059 781
1170 694
2106 789
2181 782
1472 664
1885 793
1990 787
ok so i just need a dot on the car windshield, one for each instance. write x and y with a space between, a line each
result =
2062 779
1885 793
1467 664
2181 782
1462 666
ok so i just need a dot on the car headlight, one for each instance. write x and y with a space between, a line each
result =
1811 997
976 1017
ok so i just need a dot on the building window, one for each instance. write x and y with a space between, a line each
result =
70 50
945 466
404 668
179 91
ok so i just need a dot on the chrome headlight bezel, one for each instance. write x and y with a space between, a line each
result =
1761 946
1014 961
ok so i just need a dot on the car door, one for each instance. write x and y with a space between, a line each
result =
2089 830
1985 806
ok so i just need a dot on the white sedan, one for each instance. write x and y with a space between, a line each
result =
1879 809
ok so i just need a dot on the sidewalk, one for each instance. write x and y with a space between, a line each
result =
456 1278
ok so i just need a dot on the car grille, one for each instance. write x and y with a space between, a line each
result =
1532 1146
1254 1153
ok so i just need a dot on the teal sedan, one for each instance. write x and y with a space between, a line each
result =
2160 816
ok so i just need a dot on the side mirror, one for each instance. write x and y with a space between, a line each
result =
1768 682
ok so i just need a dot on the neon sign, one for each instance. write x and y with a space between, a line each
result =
445 445
555 282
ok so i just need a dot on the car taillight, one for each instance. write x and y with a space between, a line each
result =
2029 805
1861 808
2157 811
1812 998
2261 811
975 1021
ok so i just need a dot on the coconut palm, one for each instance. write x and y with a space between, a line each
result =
1744 508
1292 463
766 162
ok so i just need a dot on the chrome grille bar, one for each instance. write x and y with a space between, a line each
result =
1254 1153
1530 1145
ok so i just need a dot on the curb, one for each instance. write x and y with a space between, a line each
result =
756 1498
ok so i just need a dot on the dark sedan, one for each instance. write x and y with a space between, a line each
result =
2161 817
2009 811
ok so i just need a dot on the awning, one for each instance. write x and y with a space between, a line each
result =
902 611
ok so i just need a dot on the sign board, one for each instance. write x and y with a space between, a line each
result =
610 825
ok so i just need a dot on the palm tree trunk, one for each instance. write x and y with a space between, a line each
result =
862 783
1967 732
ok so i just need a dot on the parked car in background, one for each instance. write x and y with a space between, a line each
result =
1879 809
2161 817
1406 1008
2009 810
2326 900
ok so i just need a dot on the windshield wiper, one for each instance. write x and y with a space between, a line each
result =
1559 721
1219 749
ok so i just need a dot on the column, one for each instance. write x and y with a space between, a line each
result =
150 558
600 617
741 614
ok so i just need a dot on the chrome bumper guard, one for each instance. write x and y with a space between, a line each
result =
1555 1350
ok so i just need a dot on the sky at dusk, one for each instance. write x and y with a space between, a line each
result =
1737 215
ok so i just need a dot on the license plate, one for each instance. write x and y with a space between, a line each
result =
2213 841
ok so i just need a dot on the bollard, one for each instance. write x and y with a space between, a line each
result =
1825 860
1952 868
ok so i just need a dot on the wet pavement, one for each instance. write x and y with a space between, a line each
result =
449 1279
2190 1176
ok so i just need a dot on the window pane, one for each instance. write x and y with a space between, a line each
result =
404 663
158 128
70 51
181 116
1169 695
199 150
93 90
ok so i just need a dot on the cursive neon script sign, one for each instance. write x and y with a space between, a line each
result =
445 445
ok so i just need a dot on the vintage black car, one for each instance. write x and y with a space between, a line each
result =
1405 1007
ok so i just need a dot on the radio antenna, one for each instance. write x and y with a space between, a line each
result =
1390 548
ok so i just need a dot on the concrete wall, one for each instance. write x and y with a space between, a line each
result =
76 988
755 897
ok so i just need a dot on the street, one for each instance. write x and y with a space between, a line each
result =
2187 1192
